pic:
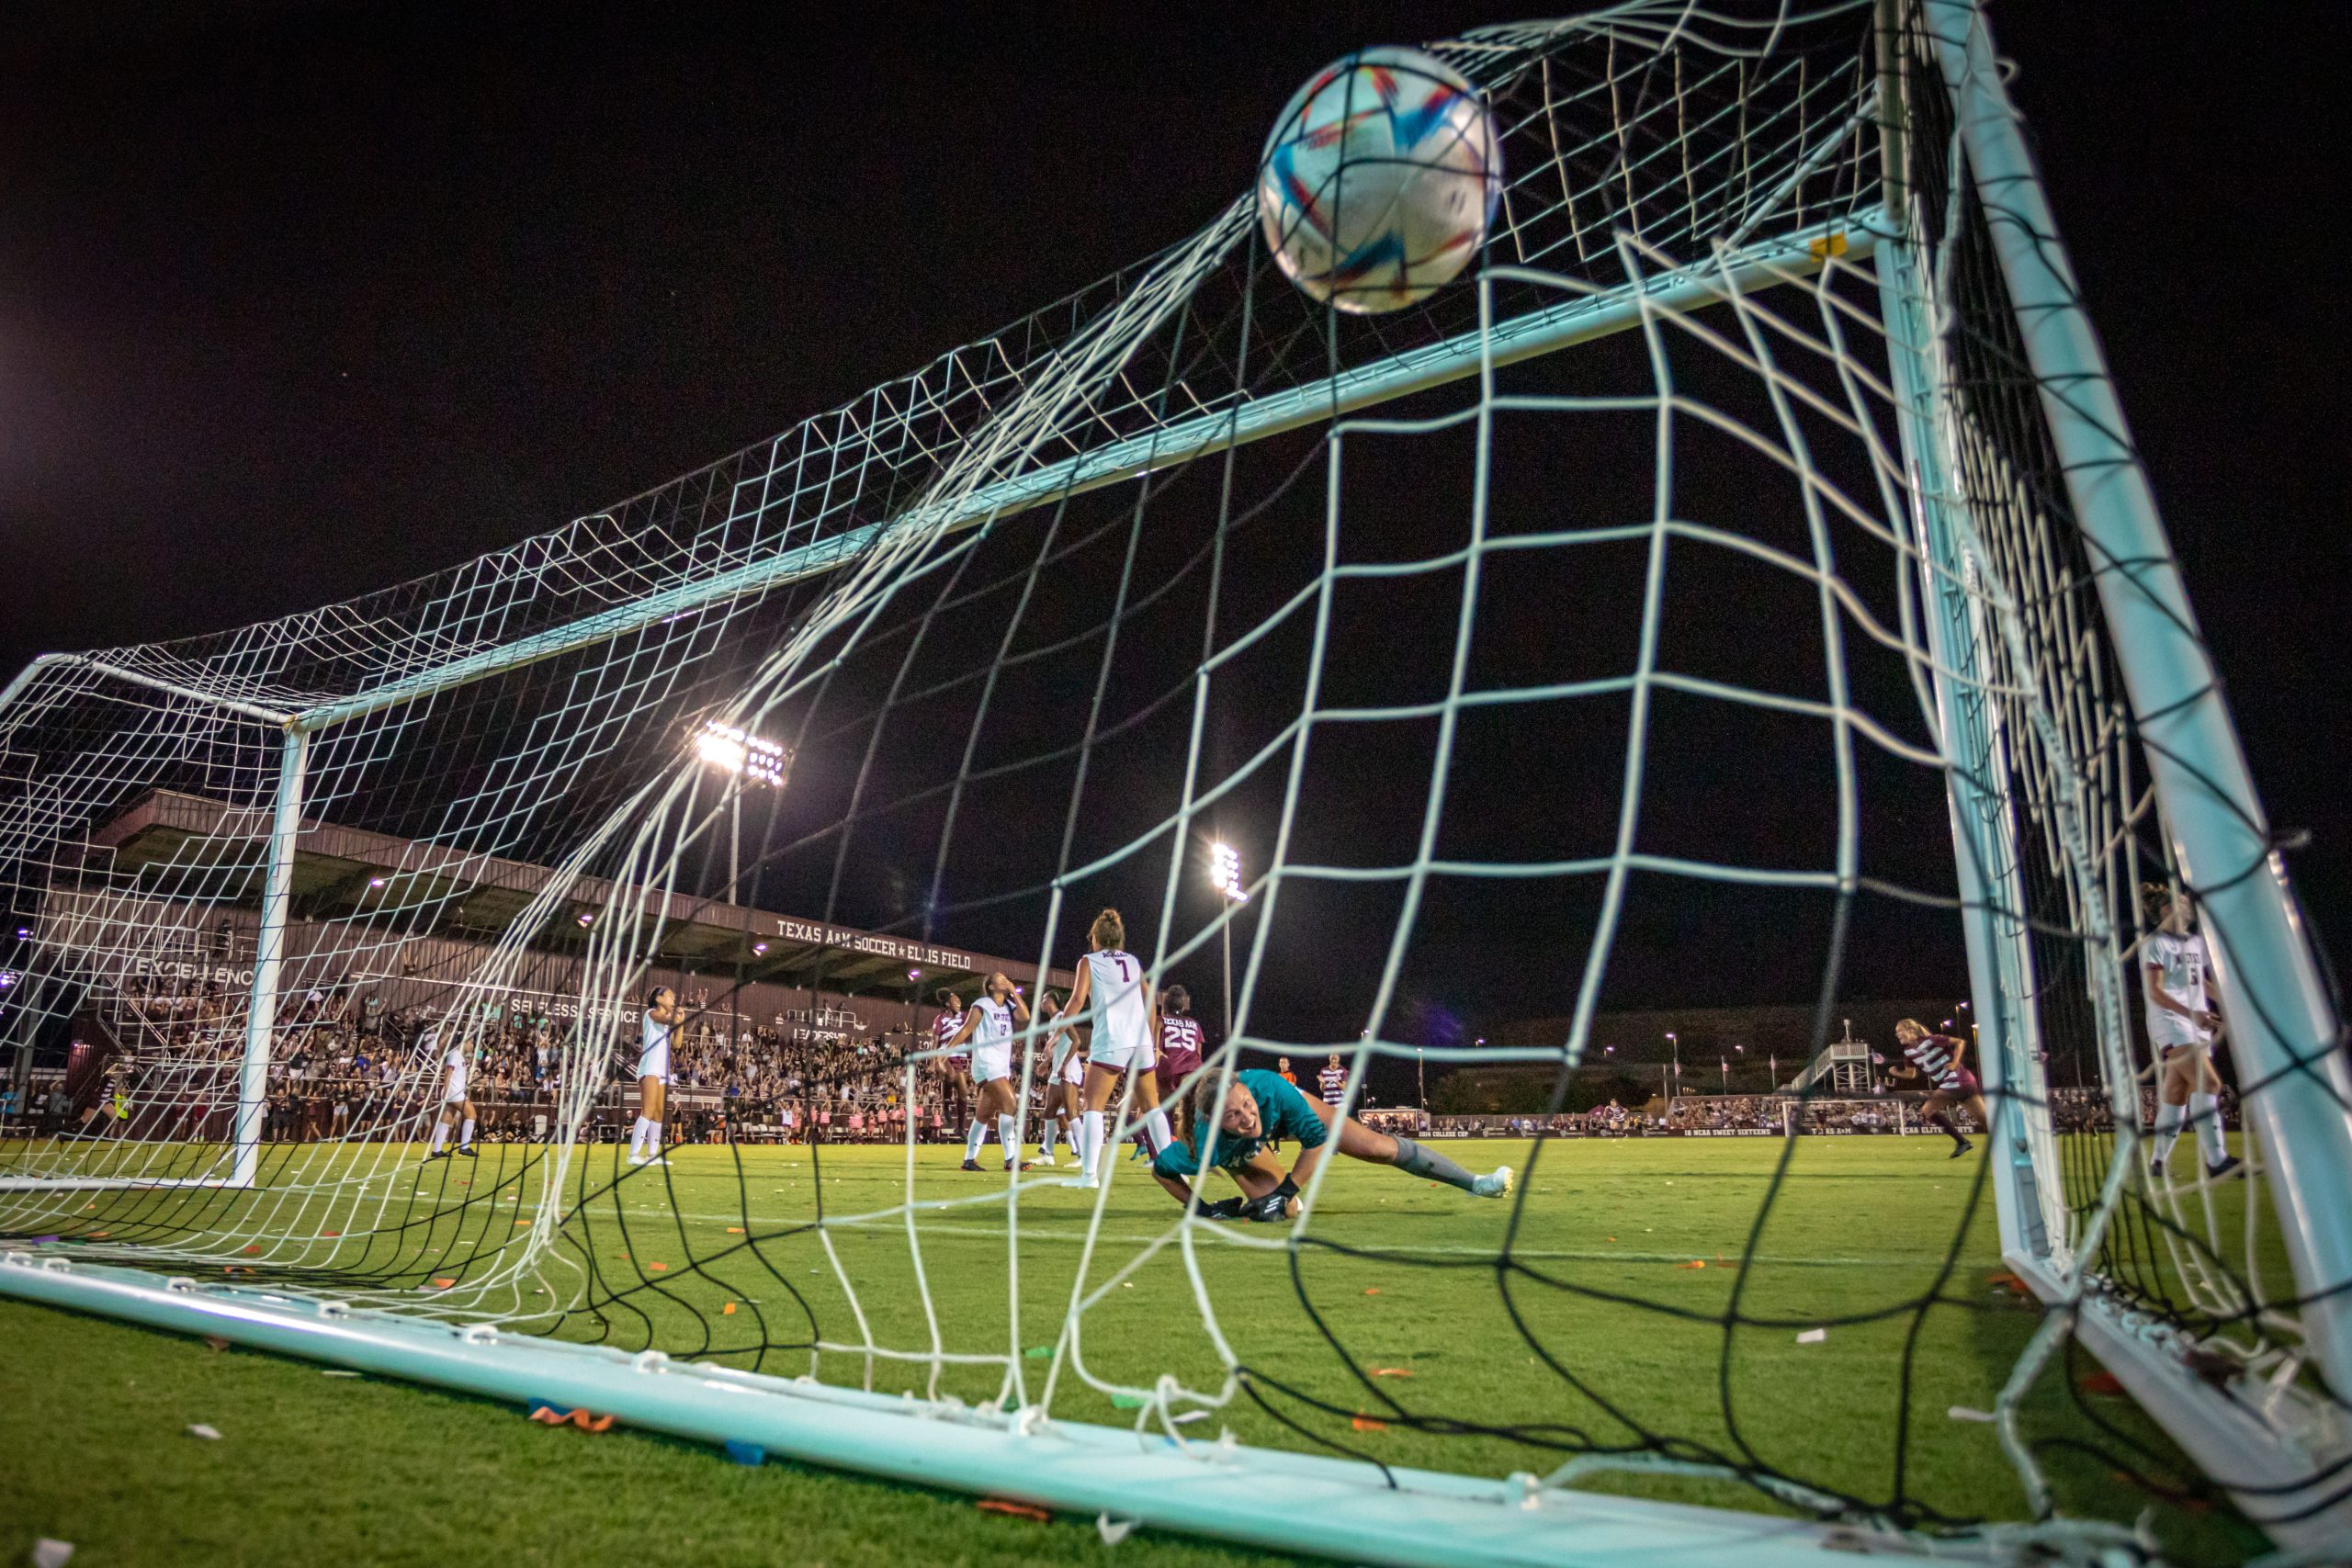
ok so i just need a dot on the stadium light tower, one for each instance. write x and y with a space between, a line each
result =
1674 1046
1225 875
748 760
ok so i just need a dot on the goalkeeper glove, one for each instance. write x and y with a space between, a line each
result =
1275 1205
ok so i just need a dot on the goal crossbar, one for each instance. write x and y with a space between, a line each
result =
1758 264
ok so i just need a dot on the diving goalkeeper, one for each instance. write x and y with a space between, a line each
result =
1260 1106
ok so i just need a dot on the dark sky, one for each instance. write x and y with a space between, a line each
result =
299 300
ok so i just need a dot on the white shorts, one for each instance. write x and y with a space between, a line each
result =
1072 1070
1105 1053
989 1066
455 1093
654 1062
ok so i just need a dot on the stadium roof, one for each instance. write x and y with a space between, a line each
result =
188 847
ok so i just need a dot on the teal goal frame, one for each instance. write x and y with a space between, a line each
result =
2286 1037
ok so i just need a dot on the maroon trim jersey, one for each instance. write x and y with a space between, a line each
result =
1180 1044
1938 1056
943 1030
1333 1082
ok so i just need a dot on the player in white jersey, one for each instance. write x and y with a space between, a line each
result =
456 1107
987 1029
1061 1111
662 1014
1114 996
2175 974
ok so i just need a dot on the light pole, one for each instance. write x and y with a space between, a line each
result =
746 759
1676 1046
1225 875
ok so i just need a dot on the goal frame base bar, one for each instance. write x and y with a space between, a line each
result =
1289 1502
2224 1427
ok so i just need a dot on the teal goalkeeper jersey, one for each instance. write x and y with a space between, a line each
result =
1282 1112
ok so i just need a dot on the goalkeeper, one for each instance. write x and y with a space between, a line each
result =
1260 1106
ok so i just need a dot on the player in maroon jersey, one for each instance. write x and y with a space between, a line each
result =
947 1025
1935 1059
1179 1049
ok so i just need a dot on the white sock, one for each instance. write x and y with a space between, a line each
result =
440 1135
1090 1142
974 1138
1007 1133
1046 1139
637 1136
652 1139
2205 1113
1156 1134
2167 1130
466 1133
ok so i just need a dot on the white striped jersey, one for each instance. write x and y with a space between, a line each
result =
1933 1055
1120 1005
1333 1082
2176 966
944 1028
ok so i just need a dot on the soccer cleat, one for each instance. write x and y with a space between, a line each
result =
2230 1166
1495 1183
1009 1168
637 1159
469 1150
971 1165
1041 1160
1960 1148
1087 1182
436 1154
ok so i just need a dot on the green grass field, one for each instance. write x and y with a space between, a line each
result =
1620 1335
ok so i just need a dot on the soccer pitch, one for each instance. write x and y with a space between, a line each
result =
1627 1258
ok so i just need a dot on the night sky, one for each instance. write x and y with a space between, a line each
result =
303 300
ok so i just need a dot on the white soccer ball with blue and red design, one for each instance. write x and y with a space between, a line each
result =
1379 180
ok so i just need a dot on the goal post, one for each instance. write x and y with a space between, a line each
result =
1842 382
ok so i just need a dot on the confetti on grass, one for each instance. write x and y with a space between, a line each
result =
1391 1372
2101 1383
743 1452
47 1554
549 1415
215 1342
1014 1510
209 1434
1363 1423
1813 1336
1963 1413
727 1311
1113 1531
1038 1353
1128 1401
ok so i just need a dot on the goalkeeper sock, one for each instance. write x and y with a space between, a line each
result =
440 1135
973 1139
2205 1111
1007 1133
466 1133
1156 1134
1418 1159
2167 1130
1090 1143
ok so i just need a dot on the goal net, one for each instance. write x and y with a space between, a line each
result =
1750 547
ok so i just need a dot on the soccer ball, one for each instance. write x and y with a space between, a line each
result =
1379 180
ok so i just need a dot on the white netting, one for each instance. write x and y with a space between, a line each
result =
1146 557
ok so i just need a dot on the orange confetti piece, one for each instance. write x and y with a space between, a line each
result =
1366 1424
734 1230
215 1342
100 1235
1694 1263
727 1311
548 1415
1391 1372
1372 1292
250 1250
2101 1383
328 1235
445 1284
659 1268
1015 1510
1613 1238
522 1222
